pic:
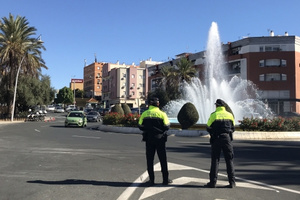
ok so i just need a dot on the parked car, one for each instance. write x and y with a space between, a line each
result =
94 116
50 108
87 110
76 118
71 108
59 109
136 110
104 111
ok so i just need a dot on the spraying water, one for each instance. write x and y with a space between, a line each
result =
241 95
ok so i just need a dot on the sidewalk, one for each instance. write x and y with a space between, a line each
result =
10 122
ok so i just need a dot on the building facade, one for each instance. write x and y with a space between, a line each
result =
76 84
92 75
123 84
272 63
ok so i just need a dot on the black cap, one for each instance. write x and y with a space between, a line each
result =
154 101
220 102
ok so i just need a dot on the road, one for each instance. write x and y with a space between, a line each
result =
45 160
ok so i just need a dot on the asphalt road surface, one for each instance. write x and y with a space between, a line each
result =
45 160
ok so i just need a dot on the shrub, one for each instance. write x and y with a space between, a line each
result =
188 115
131 120
118 109
275 124
126 108
113 118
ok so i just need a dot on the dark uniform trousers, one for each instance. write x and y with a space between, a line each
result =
221 143
152 146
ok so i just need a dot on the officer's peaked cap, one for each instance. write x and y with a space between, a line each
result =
154 101
220 102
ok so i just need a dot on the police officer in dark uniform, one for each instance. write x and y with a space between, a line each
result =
154 123
220 127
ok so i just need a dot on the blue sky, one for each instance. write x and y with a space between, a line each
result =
135 30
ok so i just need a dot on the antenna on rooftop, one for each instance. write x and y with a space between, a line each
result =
95 58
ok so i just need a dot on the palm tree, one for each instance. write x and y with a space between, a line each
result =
185 71
174 75
18 47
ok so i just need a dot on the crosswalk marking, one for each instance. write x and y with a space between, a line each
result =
150 191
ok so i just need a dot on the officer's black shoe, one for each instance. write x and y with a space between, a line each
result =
232 185
210 185
150 183
167 182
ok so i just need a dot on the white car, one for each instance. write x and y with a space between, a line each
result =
59 109
50 108
70 108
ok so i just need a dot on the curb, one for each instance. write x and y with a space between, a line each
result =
237 135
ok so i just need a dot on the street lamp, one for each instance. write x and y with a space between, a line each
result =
74 101
16 82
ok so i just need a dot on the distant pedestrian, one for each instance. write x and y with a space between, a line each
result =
220 127
155 123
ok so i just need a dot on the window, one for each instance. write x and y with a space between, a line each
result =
262 77
272 63
283 77
132 76
272 48
272 77
262 63
261 48
268 48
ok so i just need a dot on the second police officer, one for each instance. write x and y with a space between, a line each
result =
154 123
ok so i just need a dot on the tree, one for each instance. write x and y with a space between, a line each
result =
173 76
79 93
185 71
32 92
17 46
65 96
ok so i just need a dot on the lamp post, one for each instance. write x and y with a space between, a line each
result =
74 101
74 93
16 83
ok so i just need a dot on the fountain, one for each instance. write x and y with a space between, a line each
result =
241 95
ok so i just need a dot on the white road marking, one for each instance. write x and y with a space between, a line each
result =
88 137
150 191
37 130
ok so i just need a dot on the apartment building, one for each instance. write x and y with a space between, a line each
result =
271 62
123 84
92 76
